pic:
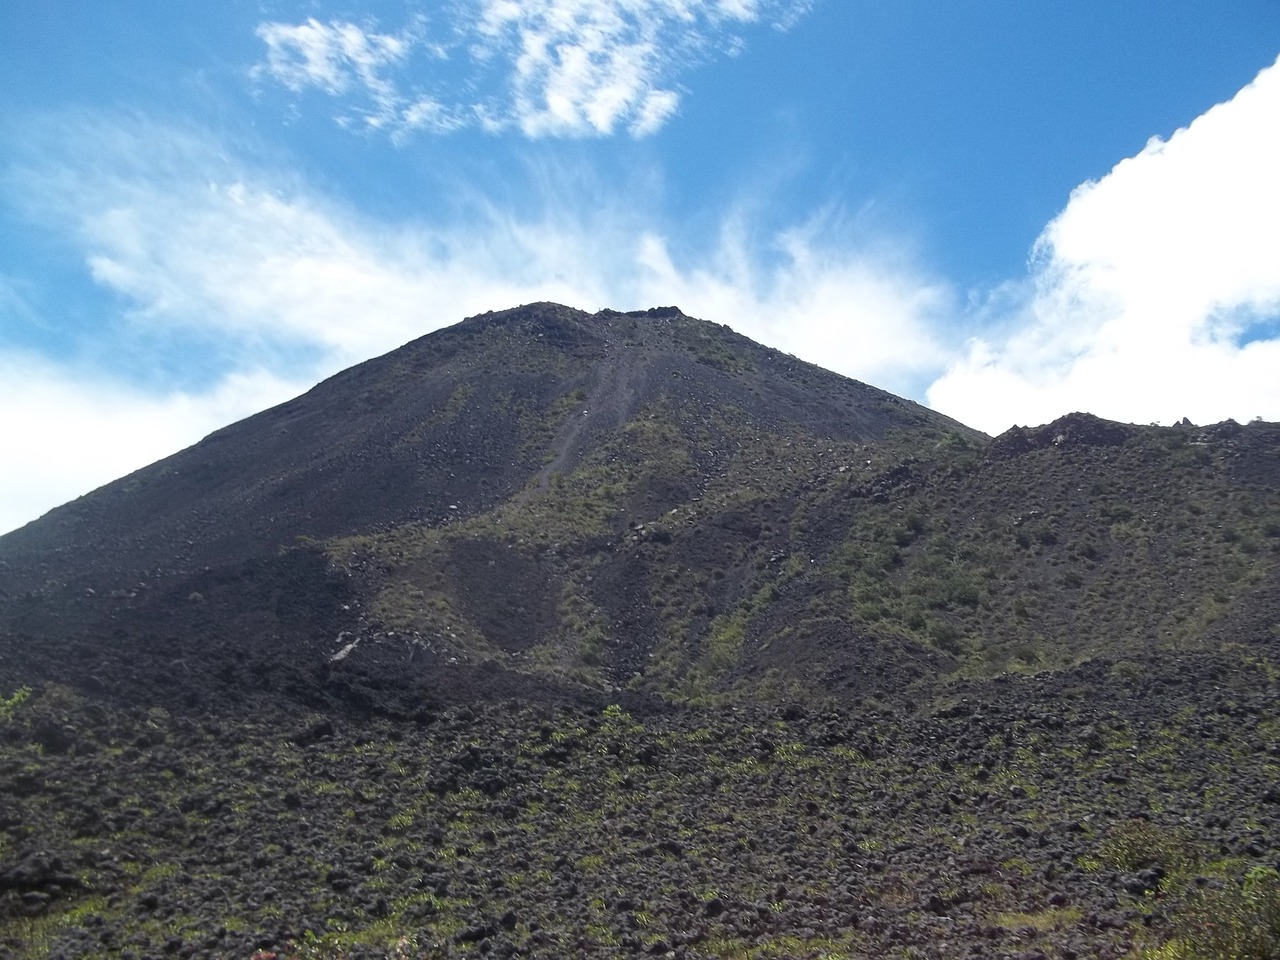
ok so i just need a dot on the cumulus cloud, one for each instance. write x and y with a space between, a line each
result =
1156 292
283 286
545 67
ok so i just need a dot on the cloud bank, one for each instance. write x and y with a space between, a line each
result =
1155 293
547 68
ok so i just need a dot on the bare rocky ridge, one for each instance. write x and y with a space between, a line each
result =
555 633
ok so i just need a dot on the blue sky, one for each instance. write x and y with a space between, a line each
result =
1006 210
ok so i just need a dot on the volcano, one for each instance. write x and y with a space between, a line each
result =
555 633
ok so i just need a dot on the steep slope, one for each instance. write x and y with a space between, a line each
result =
543 502
1079 539
224 568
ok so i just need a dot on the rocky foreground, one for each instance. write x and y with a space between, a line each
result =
1092 813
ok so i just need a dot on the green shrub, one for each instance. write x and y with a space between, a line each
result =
9 705
1138 844
1241 921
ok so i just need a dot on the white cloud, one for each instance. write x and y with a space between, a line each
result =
329 56
252 267
1145 287
585 67
852 309
73 432
342 58
546 67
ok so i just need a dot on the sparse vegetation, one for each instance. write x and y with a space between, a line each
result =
1239 919
558 635
10 705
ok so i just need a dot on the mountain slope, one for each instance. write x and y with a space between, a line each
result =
453 423
226 548
546 502
556 634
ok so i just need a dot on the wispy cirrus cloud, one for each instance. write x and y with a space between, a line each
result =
346 60
273 285
548 68
1155 293
197 242
860 307
332 57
